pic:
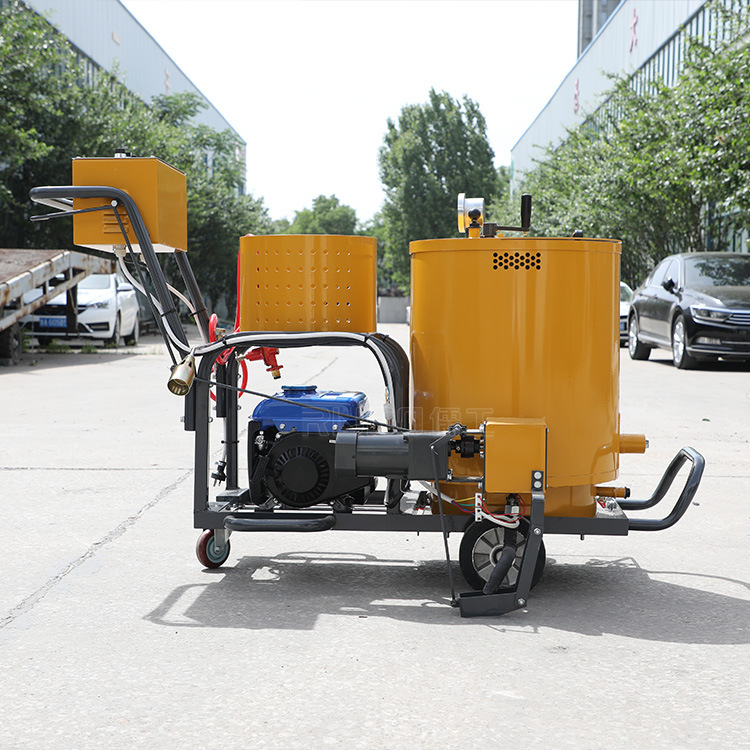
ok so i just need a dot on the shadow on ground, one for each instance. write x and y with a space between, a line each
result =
720 365
290 591
76 354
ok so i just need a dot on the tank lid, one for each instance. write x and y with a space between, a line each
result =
298 390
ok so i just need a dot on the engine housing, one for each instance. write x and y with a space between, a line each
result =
291 451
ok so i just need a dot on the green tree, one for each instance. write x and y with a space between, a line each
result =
52 116
666 170
327 216
218 214
375 227
39 101
280 226
436 151
503 210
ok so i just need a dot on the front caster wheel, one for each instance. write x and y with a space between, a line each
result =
205 549
480 549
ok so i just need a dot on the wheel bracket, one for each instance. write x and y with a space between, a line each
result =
479 604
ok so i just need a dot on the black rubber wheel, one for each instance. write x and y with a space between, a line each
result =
636 349
115 338
10 345
680 355
134 336
207 553
480 548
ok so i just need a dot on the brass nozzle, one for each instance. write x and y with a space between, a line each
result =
276 374
182 376
621 492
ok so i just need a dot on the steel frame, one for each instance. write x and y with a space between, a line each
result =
228 514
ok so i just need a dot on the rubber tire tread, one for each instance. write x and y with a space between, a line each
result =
474 531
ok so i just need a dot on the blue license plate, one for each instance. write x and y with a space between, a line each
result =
53 322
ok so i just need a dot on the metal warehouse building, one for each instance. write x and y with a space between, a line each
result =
106 35
642 37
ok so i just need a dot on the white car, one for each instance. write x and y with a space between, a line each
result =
107 310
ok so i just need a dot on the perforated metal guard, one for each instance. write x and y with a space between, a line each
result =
308 283
517 261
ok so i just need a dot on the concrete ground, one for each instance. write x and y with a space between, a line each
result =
113 636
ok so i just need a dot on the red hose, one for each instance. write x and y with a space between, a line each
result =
267 354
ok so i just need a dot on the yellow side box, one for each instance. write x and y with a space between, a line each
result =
308 282
159 190
515 449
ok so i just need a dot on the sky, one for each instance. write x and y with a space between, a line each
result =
310 84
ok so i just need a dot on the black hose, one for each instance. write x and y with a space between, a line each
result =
321 523
502 566
349 417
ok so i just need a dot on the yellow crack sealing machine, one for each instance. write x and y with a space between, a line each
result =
502 423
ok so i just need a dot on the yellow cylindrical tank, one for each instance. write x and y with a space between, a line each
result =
308 282
522 327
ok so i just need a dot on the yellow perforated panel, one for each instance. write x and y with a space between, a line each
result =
315 282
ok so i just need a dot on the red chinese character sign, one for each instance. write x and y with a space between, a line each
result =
633 34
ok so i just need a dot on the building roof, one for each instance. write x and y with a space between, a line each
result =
108 34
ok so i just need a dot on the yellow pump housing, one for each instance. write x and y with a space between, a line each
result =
522 328
159 189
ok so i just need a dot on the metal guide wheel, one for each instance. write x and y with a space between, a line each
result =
481 546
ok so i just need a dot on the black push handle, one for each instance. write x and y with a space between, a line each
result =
683 501
526 211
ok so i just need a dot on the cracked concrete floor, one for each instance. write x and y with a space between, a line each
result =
112 636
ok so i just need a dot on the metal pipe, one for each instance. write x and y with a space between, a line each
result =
502 566
683 501
54 193
194 292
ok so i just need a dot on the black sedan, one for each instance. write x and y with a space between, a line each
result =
695 304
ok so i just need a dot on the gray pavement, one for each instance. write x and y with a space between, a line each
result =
112 636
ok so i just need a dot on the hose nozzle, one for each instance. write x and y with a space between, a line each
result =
182 376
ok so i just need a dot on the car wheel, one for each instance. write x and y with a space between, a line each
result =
10 345
680 355
115 338
636 348
135 334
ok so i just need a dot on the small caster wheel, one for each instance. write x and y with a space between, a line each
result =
207 553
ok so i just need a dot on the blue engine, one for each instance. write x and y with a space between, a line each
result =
291 452
294 416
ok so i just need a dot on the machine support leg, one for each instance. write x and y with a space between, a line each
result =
221 537
230 426
531 550
479 604
202 439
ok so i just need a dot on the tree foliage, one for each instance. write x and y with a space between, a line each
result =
436 151
666 170
52 113
327 216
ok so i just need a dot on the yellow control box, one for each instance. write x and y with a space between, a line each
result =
158 189
308 282
514 450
